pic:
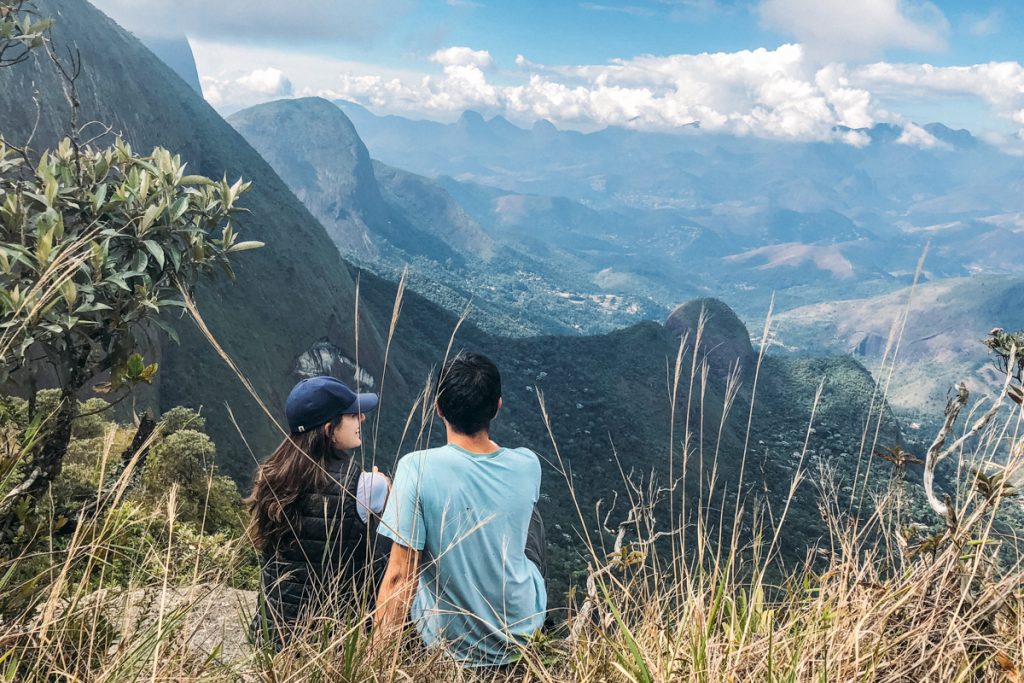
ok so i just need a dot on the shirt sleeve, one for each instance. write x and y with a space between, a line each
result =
371 494
403 515
537 475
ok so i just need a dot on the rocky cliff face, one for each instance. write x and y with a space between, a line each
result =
326 166
372 211
177 54
714 330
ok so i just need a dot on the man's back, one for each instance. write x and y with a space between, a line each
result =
470 513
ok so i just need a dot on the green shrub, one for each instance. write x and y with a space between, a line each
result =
186 459
180 417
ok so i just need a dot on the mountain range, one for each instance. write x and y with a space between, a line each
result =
751 221
738 217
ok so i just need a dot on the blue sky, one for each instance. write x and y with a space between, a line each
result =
594 32
790 69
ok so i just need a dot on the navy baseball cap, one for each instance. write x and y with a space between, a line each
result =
317 400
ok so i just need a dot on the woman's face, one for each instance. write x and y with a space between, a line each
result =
346 435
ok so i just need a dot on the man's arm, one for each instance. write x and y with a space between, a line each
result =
397 590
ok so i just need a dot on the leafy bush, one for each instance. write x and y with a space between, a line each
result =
180 417
184 460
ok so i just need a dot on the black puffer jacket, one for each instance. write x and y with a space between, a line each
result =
331 564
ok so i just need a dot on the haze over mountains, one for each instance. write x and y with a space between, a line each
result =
739 217
933 330
386 218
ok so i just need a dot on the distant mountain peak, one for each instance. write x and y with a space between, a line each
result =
724 338
499 122
543 125
471 118
885 133
329 162
960 138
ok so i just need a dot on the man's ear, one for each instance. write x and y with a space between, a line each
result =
437 409
327 429
498 409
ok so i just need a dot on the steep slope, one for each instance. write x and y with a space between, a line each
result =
327 167
724 342
176 53
422 203
315 149
517 283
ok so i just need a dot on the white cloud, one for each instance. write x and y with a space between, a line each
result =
776 93
240 21
998 84
839 29
256 86
760 92
618 9
915 136
267 82
986 25
226 73
853 106
463 56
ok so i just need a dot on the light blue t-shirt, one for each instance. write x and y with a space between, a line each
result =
469 513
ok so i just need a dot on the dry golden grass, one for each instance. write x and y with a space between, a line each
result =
878 610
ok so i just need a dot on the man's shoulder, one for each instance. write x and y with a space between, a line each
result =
524 452
416 459
529 461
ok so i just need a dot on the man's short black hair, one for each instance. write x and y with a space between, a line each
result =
468 390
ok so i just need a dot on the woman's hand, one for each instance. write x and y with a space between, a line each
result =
387 479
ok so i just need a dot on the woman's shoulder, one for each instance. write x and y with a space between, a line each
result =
341 474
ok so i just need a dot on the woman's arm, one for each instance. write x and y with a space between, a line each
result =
396 593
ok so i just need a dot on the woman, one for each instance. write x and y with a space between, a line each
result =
314 515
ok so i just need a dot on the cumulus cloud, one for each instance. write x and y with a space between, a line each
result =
780 93
463 56
998 84
239 21
760 92
227 70
256 86
834 30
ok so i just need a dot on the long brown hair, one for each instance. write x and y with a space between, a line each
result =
297 466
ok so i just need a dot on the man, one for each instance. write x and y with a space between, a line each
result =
461 518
